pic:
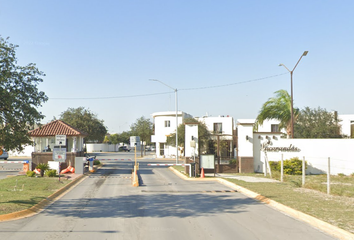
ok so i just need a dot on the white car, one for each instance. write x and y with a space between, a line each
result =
4 155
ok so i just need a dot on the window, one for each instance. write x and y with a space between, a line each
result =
217 127
274 128
167 123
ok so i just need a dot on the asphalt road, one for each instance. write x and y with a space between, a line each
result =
106 206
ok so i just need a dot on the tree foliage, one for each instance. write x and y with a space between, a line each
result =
203 134
19 98
84 120
317 123
142 128
278 107
116 138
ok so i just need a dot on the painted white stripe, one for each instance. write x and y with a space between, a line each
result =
14 161
110 159
168 164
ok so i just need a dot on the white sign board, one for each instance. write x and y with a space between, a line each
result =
207 161
59 154
60 140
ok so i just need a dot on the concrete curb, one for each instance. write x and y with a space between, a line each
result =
317 223
39 207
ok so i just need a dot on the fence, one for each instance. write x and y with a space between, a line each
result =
323 166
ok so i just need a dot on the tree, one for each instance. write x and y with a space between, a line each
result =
116 138
142 128
278 107
19 98
203 134
86 121
317 123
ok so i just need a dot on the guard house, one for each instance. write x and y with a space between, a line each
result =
44 141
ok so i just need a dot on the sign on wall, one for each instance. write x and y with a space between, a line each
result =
59 154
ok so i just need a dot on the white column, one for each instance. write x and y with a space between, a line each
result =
74 145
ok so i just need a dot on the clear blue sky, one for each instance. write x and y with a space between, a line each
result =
101 54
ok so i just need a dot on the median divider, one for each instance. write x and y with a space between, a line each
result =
135 177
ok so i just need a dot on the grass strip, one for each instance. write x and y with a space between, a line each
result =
336 210
22 192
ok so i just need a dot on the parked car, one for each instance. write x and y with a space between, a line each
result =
4 154
124 149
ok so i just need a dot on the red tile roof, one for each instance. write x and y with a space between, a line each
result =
56 127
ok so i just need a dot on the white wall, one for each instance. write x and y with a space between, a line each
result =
315 151
191 130
245 147
27 152
101 147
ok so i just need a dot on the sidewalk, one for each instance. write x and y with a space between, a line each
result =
243 178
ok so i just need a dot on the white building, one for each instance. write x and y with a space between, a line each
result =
165 125
347 123
220 125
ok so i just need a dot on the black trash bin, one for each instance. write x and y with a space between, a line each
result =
192 169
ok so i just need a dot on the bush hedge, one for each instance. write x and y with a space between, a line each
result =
30 174
51 173
293 166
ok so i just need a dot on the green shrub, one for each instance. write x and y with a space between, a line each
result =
51 173
43 167
292 166
341 174
274 166
233 161
96 162
30 174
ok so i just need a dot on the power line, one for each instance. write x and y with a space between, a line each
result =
182 89
231 84
128 96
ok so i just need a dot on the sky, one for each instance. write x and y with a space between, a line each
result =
222 56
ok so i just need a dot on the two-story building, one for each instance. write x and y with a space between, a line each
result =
164 126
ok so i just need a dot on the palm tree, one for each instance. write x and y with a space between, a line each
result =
278 107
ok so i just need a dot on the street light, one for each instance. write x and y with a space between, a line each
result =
292 101
175 90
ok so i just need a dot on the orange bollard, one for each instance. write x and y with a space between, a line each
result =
25 167
202 173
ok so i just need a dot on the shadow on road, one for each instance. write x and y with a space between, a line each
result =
152 205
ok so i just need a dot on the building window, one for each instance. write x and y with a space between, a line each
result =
167 123
274 128
217 127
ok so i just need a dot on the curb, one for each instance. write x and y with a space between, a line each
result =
39 207
317 223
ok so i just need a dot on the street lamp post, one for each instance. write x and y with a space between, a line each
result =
175 90
292 99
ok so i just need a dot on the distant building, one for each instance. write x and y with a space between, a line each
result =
165 125
347 124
